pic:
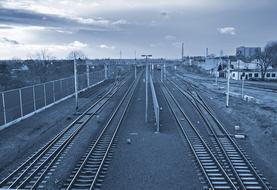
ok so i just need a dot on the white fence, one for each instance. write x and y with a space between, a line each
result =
18 104
155 104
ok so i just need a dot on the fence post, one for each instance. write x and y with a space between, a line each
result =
54 98
34 97
4 108
61 92
88 82
20 101
44 94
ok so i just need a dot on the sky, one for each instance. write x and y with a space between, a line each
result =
104 28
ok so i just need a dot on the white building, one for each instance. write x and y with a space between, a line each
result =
243 65
249 74
250 71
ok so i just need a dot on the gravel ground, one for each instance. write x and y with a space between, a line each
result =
151 161
258 121
19 141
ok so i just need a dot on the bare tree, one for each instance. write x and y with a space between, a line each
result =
42 59
76 55
272 48
265 59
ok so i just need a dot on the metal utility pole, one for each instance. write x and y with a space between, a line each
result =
242 87
106 72
135 71
161 73
76 84
220 63
182 52
216 77
164 73
228 84
146 86
217 73
135 64
88 79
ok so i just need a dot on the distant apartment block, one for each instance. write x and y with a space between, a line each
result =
248 53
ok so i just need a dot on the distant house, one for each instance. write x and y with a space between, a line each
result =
22 68
245 65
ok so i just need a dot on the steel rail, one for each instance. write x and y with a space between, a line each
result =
92 181
10 182
191 98
244 184
213 181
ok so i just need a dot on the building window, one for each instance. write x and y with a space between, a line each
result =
256 75
234 74
267 75
273 75
250 75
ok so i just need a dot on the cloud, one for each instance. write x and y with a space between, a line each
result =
91 21
8 47
134 24
120 22
25 17
77 44
170 37
63 31
5 40
104 46
227 30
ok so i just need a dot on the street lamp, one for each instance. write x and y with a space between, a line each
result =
146 86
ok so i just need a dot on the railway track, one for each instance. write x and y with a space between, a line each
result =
215 175
90 171
30 174
237 165
251 86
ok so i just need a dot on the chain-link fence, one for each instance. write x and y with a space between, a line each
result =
23 102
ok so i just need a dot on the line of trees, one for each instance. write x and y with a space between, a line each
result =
41 67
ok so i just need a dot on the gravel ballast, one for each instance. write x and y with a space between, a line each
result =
257 120
20 140
149 160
